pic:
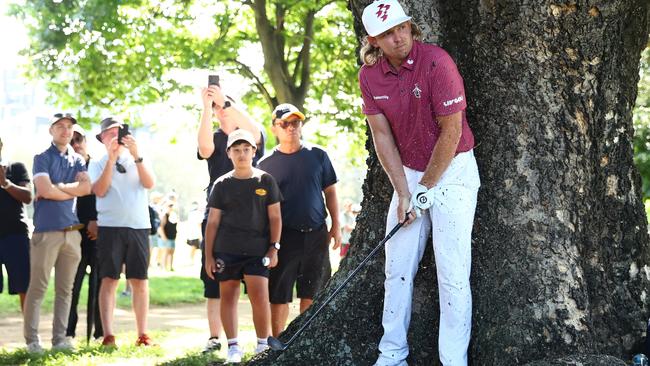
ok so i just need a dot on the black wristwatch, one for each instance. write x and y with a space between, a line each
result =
138 160
276 245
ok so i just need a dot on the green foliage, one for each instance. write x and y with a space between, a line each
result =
94 354
113 55
641 121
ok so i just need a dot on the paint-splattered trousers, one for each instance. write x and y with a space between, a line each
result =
449 221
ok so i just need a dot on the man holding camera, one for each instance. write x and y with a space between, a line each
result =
212 148
59 177
120 180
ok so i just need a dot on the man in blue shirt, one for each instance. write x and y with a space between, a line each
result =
305 174
59 177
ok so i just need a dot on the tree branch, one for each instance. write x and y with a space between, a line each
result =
256 81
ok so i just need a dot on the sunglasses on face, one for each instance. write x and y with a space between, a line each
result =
77 139
120 168
285 124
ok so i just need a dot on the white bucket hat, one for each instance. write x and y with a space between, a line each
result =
382 15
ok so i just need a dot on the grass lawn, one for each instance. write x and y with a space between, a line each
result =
163 291
168 353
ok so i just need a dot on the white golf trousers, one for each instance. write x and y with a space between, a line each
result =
449 221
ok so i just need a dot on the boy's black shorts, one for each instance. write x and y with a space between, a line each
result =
210 286
304 260
235 266
122 245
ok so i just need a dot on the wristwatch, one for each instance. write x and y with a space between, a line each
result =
8 183
138 160
276 245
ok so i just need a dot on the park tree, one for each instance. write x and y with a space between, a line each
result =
561 261
118 54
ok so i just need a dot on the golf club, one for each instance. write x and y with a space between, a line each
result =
278 345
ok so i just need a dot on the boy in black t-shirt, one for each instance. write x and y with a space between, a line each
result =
241 239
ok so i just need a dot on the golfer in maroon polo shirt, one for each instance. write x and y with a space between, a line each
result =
414 99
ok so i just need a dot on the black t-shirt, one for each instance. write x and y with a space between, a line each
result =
244 226
13 219
302 177
86 208
170 228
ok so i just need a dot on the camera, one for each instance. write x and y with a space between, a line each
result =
121 132
213 80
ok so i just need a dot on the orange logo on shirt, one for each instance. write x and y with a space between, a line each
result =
260 192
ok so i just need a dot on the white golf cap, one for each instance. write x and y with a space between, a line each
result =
382 15
240 135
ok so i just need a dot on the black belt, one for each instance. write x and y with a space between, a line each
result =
307 230
73 227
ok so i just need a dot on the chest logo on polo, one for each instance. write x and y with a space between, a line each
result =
260 192
378 97
417 92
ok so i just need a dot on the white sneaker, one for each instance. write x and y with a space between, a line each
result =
64 345
235 354
212 345
261 348
34 347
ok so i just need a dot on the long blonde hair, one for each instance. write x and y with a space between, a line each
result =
370 54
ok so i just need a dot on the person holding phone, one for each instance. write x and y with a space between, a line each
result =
120 181
212 149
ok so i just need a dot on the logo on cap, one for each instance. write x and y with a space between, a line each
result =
382 12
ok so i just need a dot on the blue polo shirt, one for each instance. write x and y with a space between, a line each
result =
50 215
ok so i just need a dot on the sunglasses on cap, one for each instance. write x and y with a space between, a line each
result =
285 124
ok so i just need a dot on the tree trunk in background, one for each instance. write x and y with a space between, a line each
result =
561 260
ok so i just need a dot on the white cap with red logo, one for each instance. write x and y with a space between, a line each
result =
382 15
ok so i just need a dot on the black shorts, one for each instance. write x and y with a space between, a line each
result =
122 245
304 260
14 254
235 266
210 286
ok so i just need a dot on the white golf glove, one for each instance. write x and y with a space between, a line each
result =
421 199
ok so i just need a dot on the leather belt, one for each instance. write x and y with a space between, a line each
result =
73 227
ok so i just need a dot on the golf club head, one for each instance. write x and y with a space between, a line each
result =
276 344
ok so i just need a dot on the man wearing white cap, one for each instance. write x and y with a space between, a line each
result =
414 99
59 177
305 174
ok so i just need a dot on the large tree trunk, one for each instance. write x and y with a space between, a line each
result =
561 261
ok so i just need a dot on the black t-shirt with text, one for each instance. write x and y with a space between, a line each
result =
244 226
13 219
302 177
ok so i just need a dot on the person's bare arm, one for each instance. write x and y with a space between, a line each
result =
144 172
204 137
45 189
20 192
391 161
211 229
275 227
332 203
451 129
81 187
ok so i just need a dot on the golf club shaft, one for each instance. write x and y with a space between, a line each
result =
345 282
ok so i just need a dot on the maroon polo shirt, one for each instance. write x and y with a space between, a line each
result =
426 85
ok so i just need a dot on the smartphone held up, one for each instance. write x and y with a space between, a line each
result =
121 132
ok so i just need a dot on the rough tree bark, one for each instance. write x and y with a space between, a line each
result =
561 259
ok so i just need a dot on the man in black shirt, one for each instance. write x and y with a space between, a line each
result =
304 173
212 148
87 214
15 192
